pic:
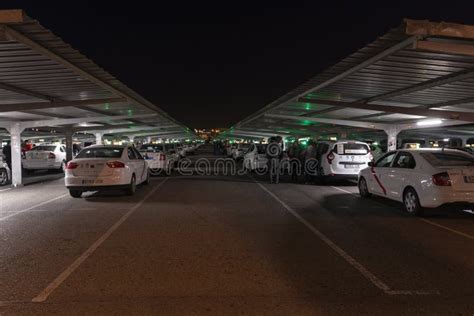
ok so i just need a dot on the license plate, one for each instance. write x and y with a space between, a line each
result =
91 181
469 179
351 166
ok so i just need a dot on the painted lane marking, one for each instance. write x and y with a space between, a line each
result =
457 232
44 294
454 231
348 258
33 207
7 189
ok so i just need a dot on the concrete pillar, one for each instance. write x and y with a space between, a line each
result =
148 139
15 136
131 139
68 136
392 138
98 138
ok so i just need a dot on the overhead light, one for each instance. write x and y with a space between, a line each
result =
446 140
429 122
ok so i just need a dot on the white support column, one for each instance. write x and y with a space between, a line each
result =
98 138
69 150
392 138
131 139
15 133
148 139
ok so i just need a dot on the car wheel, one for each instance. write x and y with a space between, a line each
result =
132 187
63 167
75 193
412 202
363 189
147 180
3 176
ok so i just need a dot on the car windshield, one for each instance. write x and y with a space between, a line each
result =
100 152
351 149
151 148
448 159
44 148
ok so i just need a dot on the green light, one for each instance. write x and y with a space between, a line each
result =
107 106
305 122
307 106
129 112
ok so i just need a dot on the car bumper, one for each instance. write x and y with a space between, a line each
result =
99 182
445 198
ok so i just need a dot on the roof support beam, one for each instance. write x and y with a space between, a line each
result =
58 122
458 76
55 104
450 115
332 121
18 90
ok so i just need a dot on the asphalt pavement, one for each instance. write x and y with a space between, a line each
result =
229 244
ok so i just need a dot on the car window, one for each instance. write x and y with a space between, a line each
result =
62 149
351 149
404 160
100 152
131 153
448 158
137 154
386 160
151 148
43 148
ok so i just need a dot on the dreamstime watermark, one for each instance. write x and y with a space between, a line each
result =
229 167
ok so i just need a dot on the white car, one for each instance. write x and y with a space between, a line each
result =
255 157
342 159
45 157
5 173
159 159
421 178
239 151
100 167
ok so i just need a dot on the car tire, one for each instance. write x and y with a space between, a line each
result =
3 176
75 193
62 169
147 180
132 187
363 189
412 202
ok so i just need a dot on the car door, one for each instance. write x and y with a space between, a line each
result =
378 180
134 168
141 165
399 173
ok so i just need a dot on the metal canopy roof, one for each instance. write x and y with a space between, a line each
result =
45 82
417 71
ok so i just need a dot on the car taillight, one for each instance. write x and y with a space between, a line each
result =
71 165
442 179
51 156
330 157
162 157
115 164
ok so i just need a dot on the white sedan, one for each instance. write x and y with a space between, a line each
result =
99 167
421 178
5 174
45 157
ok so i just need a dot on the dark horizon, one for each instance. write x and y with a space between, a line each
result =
210 65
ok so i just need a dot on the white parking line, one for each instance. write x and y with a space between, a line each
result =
457 232
43 295
7 189
353 193
348 258
33 207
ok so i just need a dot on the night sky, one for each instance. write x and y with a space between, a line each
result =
212 63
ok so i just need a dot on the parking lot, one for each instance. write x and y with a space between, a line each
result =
230 244
353 193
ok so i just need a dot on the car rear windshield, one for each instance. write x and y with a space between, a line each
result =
151 148
44 148
101 152
448 159
351 149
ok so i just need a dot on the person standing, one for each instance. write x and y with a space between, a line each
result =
274 156
294 153
7 152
